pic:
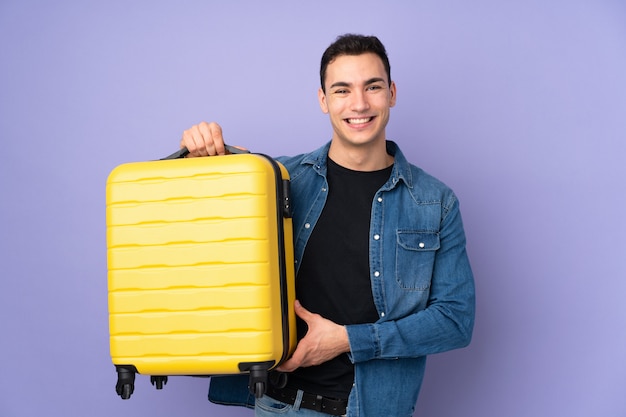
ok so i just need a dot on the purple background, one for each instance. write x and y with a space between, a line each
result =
520 106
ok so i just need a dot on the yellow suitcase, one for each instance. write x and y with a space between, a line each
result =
200 268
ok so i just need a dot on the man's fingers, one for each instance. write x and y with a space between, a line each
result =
209 136
302 312
204 139
215 133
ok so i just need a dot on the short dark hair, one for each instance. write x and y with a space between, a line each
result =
351 44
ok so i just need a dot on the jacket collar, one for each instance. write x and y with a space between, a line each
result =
401 167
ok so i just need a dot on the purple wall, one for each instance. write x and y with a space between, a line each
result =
519 106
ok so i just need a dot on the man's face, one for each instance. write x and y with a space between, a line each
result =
357 99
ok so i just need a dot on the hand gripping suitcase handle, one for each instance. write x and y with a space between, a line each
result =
183 152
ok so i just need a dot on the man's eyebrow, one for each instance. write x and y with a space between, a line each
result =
340 84
368 82
375 80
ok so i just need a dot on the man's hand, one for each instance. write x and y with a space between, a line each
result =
324 341
203 139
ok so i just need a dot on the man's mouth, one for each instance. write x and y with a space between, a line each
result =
359 121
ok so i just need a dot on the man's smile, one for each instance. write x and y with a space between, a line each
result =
359 121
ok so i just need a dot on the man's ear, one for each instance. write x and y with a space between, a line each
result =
321 96
392 91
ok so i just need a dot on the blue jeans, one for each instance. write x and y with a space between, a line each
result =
269 407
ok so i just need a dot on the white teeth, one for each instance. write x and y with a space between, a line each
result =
359 121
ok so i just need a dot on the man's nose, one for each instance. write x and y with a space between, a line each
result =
359 101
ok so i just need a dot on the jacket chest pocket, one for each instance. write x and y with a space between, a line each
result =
415 258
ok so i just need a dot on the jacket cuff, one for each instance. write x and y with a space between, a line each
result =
364 342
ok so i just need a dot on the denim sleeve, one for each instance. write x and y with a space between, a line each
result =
448 319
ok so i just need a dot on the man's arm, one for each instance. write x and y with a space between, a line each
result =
448 320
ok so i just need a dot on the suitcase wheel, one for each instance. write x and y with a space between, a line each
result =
125 381
158 381
126 391
258 376
258 381
259 389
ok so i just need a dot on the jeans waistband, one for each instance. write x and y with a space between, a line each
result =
333 406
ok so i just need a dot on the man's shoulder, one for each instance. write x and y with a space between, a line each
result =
415 177
315 157
423 177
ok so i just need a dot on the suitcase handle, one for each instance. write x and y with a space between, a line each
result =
183 152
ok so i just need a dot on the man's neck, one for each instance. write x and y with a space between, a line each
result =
371 157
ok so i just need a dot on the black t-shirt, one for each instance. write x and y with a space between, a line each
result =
334 277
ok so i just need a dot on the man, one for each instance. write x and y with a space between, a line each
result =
383 277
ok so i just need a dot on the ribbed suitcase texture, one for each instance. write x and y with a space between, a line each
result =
200 268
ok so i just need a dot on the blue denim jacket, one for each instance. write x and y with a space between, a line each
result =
421 278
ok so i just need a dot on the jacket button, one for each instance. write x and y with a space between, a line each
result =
421 245
376 274
380 199
307 225
376 237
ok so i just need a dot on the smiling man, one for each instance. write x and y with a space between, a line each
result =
382 274
357 94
